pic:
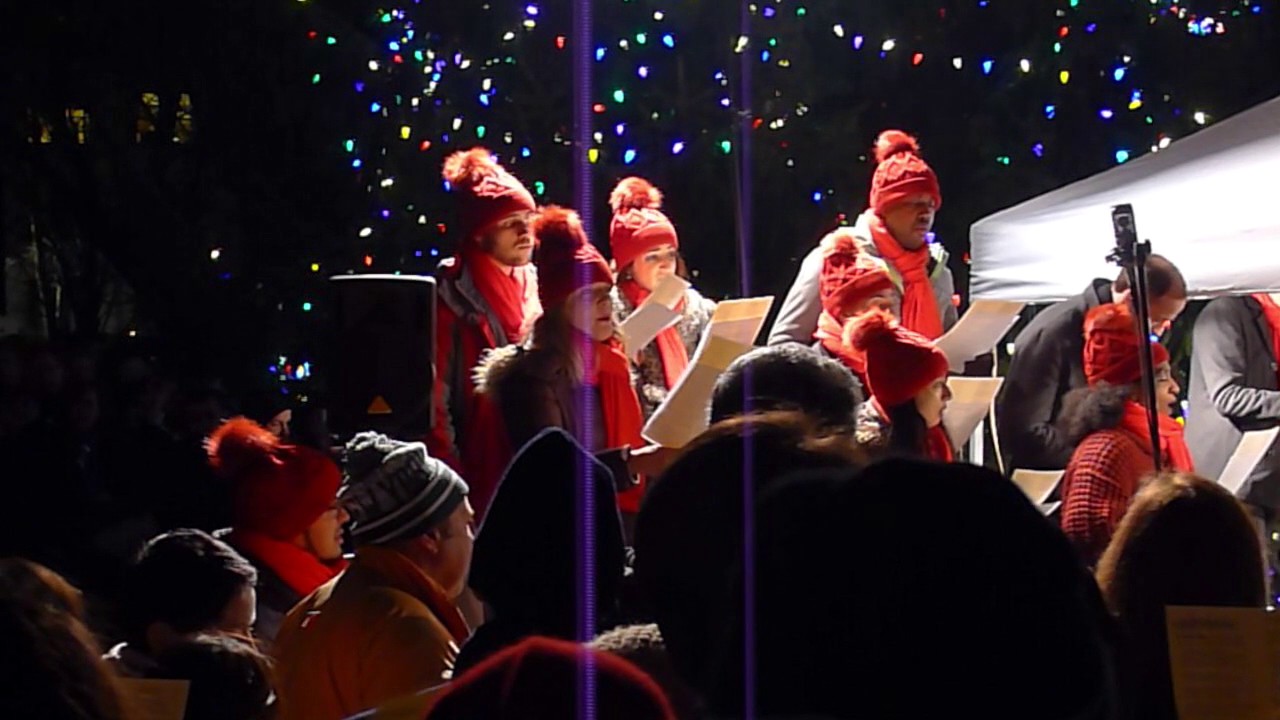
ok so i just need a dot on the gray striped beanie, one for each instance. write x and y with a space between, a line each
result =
395 491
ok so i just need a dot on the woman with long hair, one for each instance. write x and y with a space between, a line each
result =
906 375
646 251
1107 422
572 373
1184 541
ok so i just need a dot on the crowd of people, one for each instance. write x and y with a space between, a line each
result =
818 551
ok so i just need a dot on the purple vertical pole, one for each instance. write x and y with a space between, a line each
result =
745 218
586 402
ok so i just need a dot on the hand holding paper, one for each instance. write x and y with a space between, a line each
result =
655 314
979 329
971 400
732 332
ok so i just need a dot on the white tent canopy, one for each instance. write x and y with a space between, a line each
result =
1209 202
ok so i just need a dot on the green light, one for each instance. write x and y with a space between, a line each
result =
480 131
642 38
1003 160
331 40
315 79
540 187
1057 48
726 147
619 96
801 11
350 145
306 307
773 42
386 17
417 55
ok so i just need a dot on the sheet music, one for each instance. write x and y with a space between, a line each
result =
655 314
684 414
156 699
971 400
979 329
740 321
1037 484
1224 662
1253 446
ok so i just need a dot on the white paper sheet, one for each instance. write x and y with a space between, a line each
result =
655 314
979 329
740 321
684 414
1224 662
1253 445
971 400
1037 484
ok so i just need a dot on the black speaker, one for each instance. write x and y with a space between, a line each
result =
383 355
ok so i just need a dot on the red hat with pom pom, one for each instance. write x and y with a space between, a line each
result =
276 489
849 275
900 363
1111 346
639 224
486 191
567 261
900 172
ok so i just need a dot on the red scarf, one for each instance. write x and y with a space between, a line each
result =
512 293
919 308
299 569
1173 449
1271 312
609 371
832 336
671 349
399 572
937 443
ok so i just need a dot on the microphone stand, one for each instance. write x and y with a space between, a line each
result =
1132 255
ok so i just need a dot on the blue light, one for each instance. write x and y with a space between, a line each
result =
375 107
357 164
1122 156
986 66
393 46
525 152
531 10
1038 149
619 129
1050 111
817 196
629 156
764 56
677 147
1118 74
669 40
484 99
600 51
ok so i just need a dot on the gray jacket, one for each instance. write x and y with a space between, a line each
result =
1047 363
798 317
1233 390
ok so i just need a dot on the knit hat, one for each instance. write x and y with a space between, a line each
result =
900 363
900 172
395 490
542 679
276 489
1111 346
849 276
638 221
567 261
486 191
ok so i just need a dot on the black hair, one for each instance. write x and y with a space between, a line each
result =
787 377
908 432
1090 409
185 579
230 680
1163 279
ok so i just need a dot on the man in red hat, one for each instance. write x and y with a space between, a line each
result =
488 291
905 196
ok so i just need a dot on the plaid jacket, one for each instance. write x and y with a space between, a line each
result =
1100 480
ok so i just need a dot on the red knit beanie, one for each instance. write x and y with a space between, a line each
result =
566 260
849 276
1111 346
486 191
900 172
276 489
542 679
638 222
900 363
